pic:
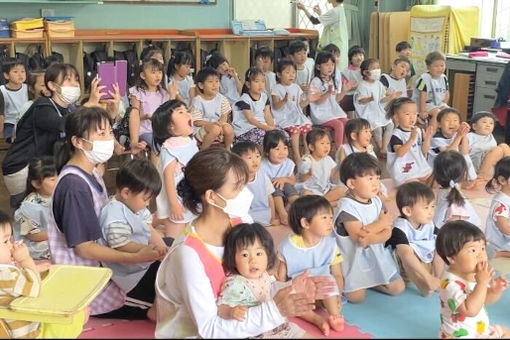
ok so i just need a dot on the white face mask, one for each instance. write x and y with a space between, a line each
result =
102 151
238 207
69 94
375 74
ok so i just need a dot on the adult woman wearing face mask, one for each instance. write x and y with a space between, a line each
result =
43 125
189 278
79 196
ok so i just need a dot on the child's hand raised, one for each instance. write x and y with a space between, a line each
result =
20 252
172 89
464 129
429 132
349 85
498 285
484 273
414 133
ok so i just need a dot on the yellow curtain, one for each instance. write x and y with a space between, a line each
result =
463 26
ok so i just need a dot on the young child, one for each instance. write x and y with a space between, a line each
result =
249 253
335 51
407 147
413 237
145 97
452 135
154 52
31 218
298 55
323 169
230 84
36 89
288 103
280 170
13 96
356 56
497 228
431 92
483 149
404 51
124 225
211 111
179 69
396 80
19 276
449 170
370 101
313 247
173 125
325 95
263 60
362 226
262 208
252 114
468 284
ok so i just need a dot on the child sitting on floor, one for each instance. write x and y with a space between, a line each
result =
362 226
449 170
313 247
124 225
396 80
280 169
414 237
249 253
211 111
483 149
468 284
497 228
262 208
323 171
408 147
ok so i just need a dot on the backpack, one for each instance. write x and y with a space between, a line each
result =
90 61
132 60
3 56
121 129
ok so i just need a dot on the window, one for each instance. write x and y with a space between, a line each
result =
302 20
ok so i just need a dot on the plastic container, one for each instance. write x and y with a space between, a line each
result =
59 28
27 24
36 33
4 28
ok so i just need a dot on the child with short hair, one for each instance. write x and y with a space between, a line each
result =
124 222
262 208
173 125
413 237
249 253
325 94
36 89
497 228
179 68
323 171
230 84
452 135
211 111
277 165
13 96
19 277
358 136
288 103
313 247
468 284
352 73
396 80
362 226
263 60
483 149
252 116
408 145
370 100
31 218
449 170
404 51
298 55
431 91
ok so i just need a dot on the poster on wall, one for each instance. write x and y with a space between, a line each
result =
427 34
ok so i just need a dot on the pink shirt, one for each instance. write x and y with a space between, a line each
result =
149 102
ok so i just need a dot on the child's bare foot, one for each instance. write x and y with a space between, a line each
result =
151 314
336 322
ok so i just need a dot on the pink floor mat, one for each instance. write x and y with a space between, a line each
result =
137 329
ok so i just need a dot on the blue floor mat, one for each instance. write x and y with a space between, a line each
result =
409 315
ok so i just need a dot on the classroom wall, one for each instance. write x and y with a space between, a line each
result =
133 16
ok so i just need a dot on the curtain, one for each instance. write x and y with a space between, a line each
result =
353 27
